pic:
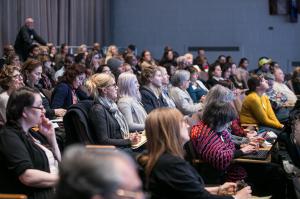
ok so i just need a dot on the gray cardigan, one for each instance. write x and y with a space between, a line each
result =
184 101
134 113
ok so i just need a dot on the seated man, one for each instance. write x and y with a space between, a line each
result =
281 87
87 174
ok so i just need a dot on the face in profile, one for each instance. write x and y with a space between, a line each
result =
156 80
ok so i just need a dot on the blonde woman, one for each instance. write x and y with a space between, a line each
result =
107 122
112 51
129 102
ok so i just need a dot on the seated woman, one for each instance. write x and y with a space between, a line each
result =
152 98
129 102
107 122
165 87
256 108
196 88
168 174
215 75
29 160
32 71
146 60
220 93
213 143
10 80
67 91
182 99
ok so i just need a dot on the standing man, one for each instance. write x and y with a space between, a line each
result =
26 38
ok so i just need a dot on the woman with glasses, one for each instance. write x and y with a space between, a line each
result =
32 73
67 91
108 124
29 160
10 80
168 175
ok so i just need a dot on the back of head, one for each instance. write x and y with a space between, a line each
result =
180 77
162 128
217 114
86 173
114 64
17 101
147 73
219 93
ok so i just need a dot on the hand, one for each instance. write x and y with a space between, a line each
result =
248 149
244 193
46 128
228 188
60 112
135 138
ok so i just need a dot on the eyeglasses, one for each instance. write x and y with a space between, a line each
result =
19 76
37 107
112 85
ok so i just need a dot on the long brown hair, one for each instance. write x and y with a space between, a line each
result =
162 128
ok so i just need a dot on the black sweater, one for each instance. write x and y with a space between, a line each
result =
173 177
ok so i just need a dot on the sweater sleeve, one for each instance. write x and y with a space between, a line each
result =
59 96
15 153
126 110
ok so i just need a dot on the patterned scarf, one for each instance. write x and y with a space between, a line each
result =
112 107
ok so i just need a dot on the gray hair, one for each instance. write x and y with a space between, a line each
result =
126 86
179 77
85 172
219 93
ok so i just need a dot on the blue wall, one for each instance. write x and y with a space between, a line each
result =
182 23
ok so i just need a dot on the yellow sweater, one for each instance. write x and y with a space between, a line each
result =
258 110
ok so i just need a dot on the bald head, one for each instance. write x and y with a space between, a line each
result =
29 22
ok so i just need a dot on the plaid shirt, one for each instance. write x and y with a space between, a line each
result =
277 99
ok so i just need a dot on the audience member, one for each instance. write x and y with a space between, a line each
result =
7 51
146 60
27 37
32 71
281 87
256 108
10 80
165 87
296 80
151 79
87 174
168 175
67 91
108 124
196 89
29 160
129 102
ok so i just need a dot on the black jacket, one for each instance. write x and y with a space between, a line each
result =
105 127
150 101
25 39
172 177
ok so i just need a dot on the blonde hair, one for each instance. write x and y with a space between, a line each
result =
162 128
96 81
126 86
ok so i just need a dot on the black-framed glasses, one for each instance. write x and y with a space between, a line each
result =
37 107
19 76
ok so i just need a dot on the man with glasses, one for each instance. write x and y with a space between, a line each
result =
97 174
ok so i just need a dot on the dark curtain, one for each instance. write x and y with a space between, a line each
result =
73 22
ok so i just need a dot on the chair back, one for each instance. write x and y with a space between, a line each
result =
76 123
